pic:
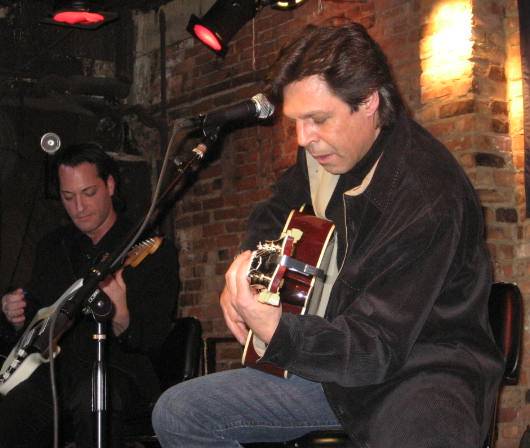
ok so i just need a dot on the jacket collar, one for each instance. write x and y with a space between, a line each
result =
382 162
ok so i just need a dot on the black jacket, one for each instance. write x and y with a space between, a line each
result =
405 345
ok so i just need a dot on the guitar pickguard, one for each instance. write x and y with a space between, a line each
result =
23 359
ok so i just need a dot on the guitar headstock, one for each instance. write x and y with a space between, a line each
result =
265 272
141 250
263 263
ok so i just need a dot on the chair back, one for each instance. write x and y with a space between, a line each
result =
506 319
179 360
180 357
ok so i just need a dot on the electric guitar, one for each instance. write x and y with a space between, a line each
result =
290 270
27 355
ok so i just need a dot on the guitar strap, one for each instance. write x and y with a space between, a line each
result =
322 185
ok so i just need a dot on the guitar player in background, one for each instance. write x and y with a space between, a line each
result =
143 298
403 355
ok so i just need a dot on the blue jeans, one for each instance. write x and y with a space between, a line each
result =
240 406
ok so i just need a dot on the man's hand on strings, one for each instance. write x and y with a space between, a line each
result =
240 306
115 288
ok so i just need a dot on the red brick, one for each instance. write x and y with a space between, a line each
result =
457 108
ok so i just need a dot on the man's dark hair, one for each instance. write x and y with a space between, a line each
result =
90 152
348 59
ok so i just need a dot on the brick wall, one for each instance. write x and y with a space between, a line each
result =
477 114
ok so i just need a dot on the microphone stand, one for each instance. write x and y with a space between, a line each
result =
101 308
88 295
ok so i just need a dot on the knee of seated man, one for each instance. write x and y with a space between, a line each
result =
172 400
176 406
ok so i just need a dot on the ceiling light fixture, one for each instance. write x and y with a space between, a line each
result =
286 4
226 17
222 21
84 14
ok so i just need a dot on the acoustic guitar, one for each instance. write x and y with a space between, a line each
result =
290 271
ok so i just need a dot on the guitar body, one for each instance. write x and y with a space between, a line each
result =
28 354
23 359
299 289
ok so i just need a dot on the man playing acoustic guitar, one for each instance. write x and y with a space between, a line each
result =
402 355
143 299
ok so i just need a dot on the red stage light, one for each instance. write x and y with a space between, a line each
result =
81 14
78 17
222 21
207 37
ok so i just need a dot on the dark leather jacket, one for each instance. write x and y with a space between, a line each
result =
405 343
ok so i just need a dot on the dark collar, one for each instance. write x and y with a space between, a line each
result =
390 145
356 175
109 241
83 254
395 145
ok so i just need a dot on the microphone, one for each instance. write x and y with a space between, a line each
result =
257 107
50 143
